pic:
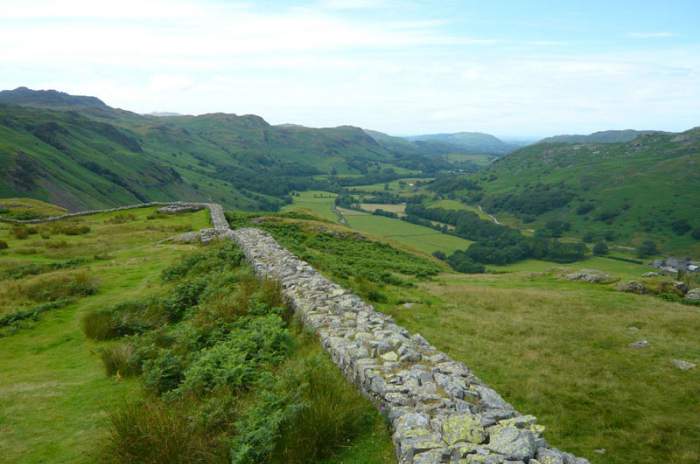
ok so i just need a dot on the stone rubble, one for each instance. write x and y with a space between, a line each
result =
439 410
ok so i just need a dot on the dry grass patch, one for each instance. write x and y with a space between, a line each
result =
561 351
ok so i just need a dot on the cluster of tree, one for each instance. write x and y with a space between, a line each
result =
381 212
681 227
534 200
553 229
497 243
383 197
450 184
647 248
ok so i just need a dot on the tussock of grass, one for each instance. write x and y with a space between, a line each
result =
55 286
329 413
120 360
152 431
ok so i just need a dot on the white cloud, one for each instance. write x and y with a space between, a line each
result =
323 67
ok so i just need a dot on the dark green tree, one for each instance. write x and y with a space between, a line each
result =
601 249
647 248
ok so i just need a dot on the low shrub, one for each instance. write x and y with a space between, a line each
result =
56 244
120 360
68 228
98 325
163 373
329 413
123 319
32 313
121 218
23 270
183 297
20 232
155 432
305 416
254 342
3 245
52 287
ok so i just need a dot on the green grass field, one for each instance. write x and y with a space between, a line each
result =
402 186
394 208
417 237
479 160
560 350
318 203
54 395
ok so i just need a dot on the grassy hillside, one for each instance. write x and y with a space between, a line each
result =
611 136
79 153
556 349
101 377
644 189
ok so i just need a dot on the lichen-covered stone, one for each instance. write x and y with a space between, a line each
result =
512 442
463 427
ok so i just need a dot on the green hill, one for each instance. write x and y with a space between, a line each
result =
466 142
644 189
611 136
79 153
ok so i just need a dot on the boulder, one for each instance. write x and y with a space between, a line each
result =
683 365
632 287
590 275
693 295
176 209
639 344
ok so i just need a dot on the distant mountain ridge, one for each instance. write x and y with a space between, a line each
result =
80 153
48 99
467 142
609 136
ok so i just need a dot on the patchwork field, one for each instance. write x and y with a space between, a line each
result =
392 208
318 203
417 237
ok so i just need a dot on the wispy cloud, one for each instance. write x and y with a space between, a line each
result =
651 35
361 62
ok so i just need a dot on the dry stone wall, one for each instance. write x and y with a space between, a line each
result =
439 410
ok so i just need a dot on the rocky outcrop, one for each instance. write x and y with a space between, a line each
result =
693 295
590 275
632 287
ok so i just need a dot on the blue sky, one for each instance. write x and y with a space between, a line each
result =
513 68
